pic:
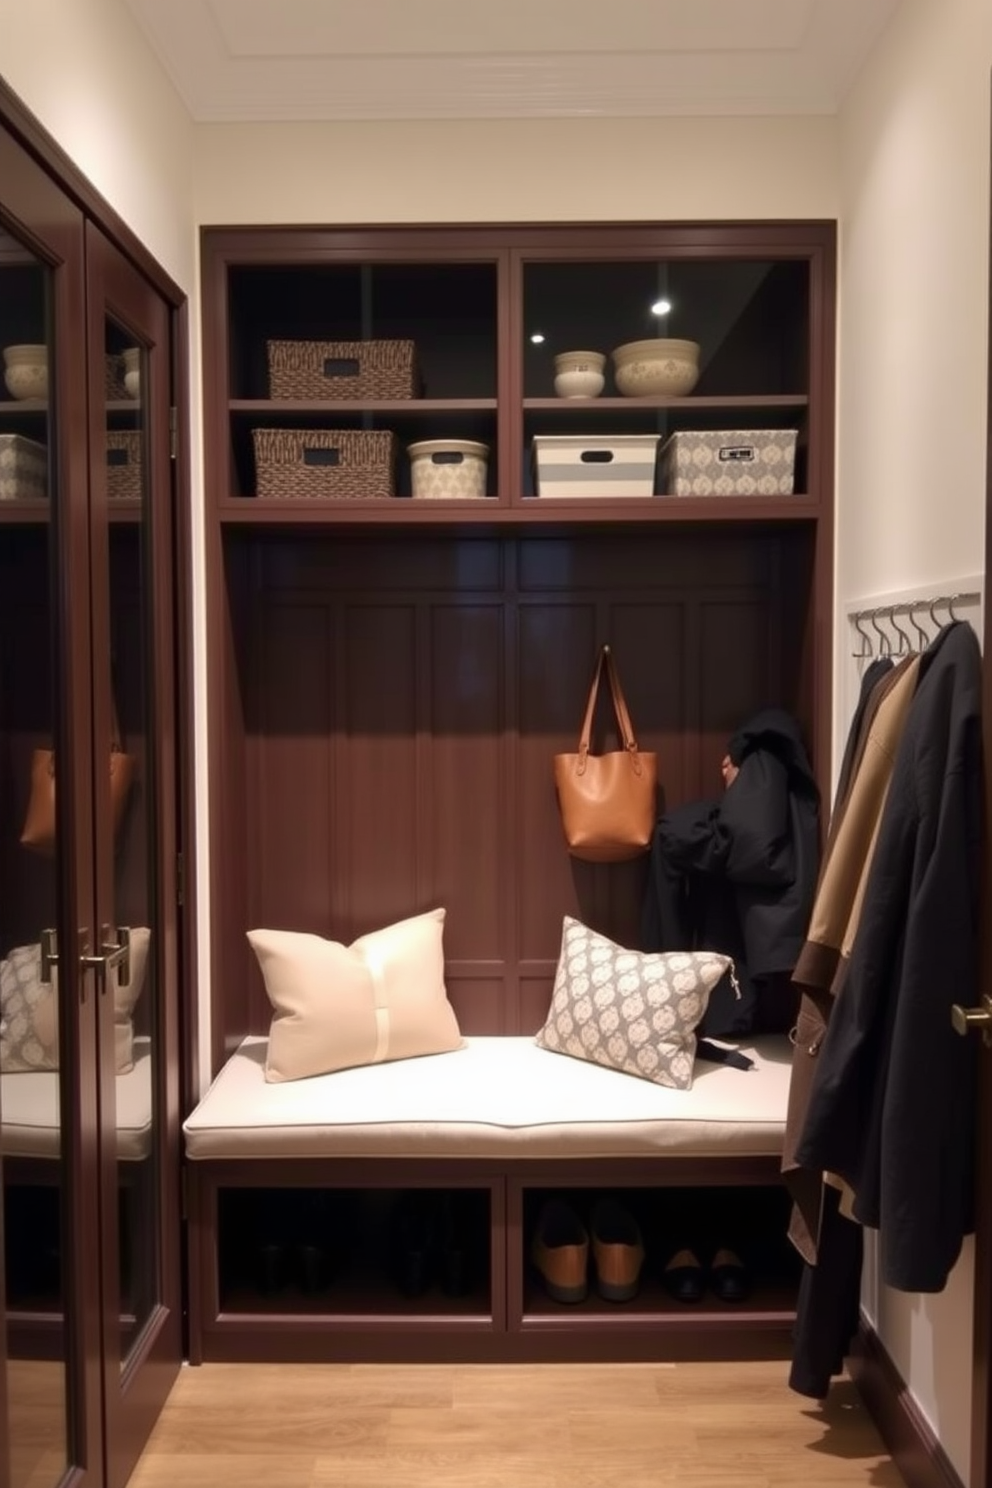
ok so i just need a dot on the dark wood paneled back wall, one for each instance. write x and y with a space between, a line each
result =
395 703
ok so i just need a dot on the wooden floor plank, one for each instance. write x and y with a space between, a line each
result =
509 1426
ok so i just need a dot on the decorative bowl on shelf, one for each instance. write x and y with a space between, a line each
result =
579 374
659 368
131 357
26 371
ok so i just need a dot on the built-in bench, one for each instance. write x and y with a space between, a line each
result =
503 1123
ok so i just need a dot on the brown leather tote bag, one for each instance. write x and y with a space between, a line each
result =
608 802
38 832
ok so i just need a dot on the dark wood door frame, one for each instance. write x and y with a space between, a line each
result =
981 1396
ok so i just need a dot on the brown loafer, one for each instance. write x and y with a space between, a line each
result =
618 1251
560 1251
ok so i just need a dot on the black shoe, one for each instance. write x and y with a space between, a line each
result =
455 1246
272 1269
683 1277
413 1241
313 1269
728 1277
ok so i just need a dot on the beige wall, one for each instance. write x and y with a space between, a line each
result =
517 170
85 71
914 140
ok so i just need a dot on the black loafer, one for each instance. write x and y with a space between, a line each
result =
683 1277
728 1277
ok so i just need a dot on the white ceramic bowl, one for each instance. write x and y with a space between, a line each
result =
26 371
131 358
579 374
660 368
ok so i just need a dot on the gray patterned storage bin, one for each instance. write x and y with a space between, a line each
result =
729 462
23 468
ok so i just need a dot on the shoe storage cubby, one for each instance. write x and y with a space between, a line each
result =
355 1252
444 1268
328 1260
660 1233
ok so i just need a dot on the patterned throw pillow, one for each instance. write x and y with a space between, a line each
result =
635 1011
29 1035
29 1024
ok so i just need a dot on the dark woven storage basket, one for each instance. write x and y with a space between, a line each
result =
341 369
341 464
113 378
124 465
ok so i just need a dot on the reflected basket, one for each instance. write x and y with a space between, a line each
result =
124 465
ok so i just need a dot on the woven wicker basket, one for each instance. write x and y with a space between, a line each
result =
124 465
341 369
340 464
113 378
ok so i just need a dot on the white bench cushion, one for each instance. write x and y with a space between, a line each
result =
497 1098
29 1111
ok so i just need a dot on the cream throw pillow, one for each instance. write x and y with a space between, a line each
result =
29 1025
337 1006
635 1011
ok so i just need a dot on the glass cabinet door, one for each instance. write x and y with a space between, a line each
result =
49 1410
135 845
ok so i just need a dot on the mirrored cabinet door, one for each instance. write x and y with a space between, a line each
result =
134 839
49 1409
89 1123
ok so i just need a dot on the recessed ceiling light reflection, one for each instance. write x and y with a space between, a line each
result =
661 307
537 339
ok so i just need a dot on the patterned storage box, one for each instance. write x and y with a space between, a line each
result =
341 464
729 462
23 468
124 465
448 469
581 465
341 369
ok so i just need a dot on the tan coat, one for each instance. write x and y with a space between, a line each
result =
836 913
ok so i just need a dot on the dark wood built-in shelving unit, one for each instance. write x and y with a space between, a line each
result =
389 679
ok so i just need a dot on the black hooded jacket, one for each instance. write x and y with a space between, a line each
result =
738 874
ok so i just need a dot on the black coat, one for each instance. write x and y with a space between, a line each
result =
892 1106
738 874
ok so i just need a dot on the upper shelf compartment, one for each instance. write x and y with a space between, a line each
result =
487 309
749 318
447 310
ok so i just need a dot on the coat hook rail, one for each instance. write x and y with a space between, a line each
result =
925 608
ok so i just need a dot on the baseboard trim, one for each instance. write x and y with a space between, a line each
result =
907 1434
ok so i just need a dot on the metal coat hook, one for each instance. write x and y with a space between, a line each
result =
866 649
884 642
905 639
924 637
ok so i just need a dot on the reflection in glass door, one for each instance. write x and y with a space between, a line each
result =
132 980
33 1056
134 934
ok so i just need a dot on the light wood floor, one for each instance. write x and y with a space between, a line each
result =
508 1426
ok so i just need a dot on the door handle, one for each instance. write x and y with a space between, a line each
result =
965 1019
112 954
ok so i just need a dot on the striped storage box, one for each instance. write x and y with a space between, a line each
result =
580 465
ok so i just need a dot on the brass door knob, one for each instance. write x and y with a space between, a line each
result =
966 1019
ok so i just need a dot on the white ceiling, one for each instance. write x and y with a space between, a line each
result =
487 59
